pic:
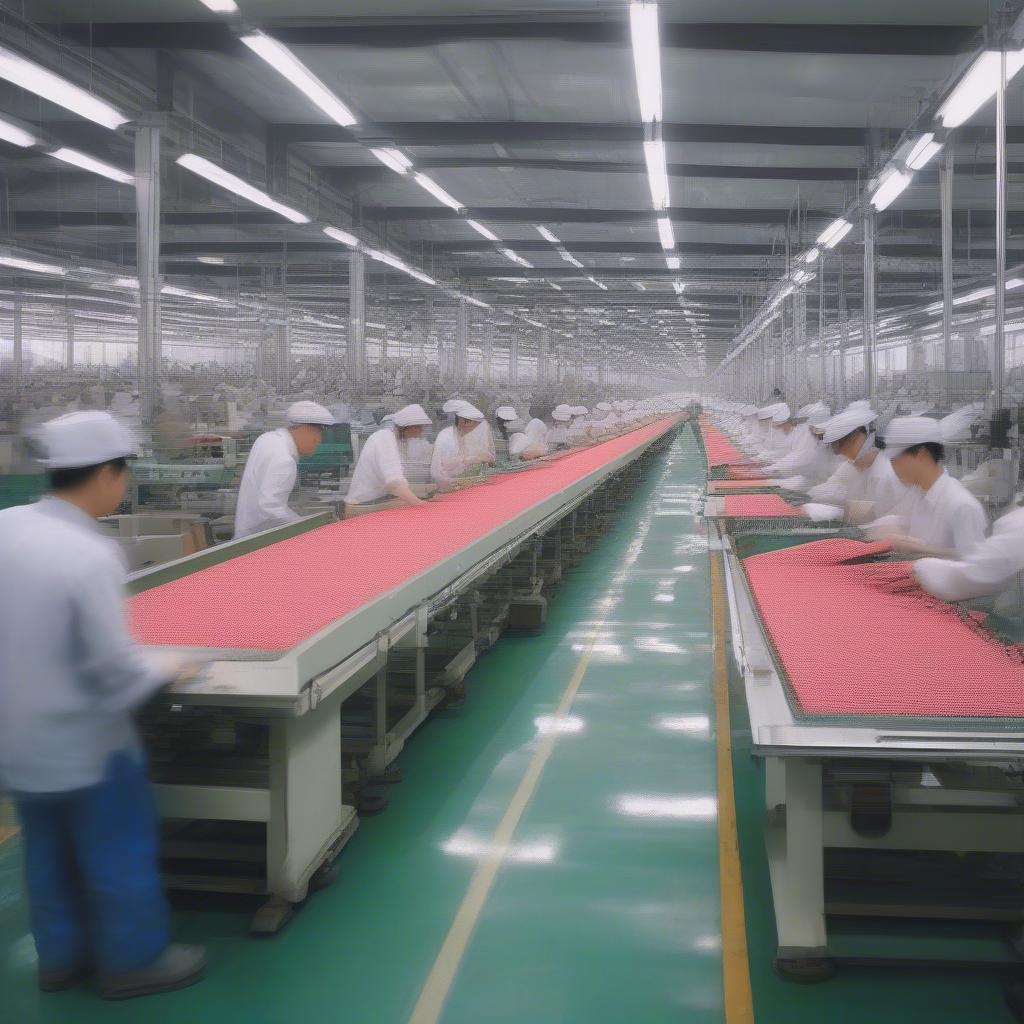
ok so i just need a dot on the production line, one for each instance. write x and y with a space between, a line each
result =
890 765
339 608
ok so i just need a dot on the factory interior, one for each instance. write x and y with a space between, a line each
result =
567 527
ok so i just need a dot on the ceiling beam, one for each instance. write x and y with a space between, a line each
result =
608 29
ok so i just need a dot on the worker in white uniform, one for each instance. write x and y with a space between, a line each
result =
938 515
454 456
71 681
531 443
793 469
990 567
273 467
505 419
480 440
850 436
578 426
379 473
558 435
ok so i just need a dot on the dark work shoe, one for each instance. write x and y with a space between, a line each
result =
60 979
176 967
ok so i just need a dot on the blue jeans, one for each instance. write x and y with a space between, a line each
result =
92 875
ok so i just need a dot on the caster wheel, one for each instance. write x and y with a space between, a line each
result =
810 970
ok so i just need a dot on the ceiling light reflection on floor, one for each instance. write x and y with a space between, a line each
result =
694 725
656 645
563 724
543 851
678 808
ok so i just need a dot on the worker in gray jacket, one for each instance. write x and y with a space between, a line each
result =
71 678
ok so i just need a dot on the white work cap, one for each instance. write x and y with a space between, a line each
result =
517 444
904 432
749 410
561 413
411 416
765 412
781 413
604 406
506 412
818 415
957 425
300 413
81 439
579 410
846 422
467 411
451 405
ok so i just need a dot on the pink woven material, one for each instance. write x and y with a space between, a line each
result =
863 639
719 449
761 506
741 485
278 596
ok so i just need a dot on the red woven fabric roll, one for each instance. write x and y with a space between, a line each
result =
719 449
739 485
278 596
761 506
863 639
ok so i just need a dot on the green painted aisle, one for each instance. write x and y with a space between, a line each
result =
605 906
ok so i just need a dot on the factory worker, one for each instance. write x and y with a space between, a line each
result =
479 441
794 469
379 473
273 467
578 428
505 419
938 515
536 434
71 681
558 435
851 438
989 567
453 454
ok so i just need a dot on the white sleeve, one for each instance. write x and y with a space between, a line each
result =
834 490
275 490
969 526
388 459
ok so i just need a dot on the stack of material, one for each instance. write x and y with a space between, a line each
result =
907 655
761 506
275 597
719 449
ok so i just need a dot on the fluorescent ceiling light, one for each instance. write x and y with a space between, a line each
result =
657 173
673 262
639 287
812 255
480 229
532 323
594 280
437 192
557 287
978 86
923 150
679 287
285 63
221 6
546 234
393 158
835 233
643 26
892 185
126 282
509 254
665 233
35 266
569 258
211 172
974 296
16 136
476 302
213 261
89 163
376 326
28 75
345 237
393 261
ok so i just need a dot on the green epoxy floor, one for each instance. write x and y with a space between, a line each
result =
606 909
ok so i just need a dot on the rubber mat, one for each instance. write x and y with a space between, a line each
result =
276 597
761 506
860 638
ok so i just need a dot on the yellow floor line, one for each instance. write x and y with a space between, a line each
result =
439 982
739 1002
7 832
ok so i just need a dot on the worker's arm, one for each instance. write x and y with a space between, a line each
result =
401 490
113 663
275 490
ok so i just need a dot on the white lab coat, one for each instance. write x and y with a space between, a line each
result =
558 434
480 443
270 474
946 517
451 456
378 469
986 568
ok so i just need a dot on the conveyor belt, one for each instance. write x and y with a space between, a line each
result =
761 506
274 598
913 655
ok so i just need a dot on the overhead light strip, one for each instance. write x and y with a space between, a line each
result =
226 180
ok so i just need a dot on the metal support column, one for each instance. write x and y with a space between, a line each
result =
543 353
69 344
460 362
999 337
513 360
822 379
870 228
147 231
356 351
488 355
946 170
17 354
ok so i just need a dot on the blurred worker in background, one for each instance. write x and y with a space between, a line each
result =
71 679
531 443
558 435
454 455
379 473
273 467
937 515
505 419
480 440
850 435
